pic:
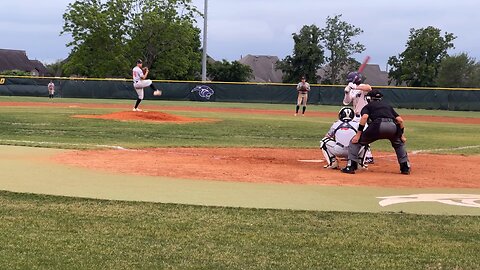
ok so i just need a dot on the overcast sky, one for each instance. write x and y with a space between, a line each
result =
264 27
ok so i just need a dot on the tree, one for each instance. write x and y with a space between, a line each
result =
229 71
459 71
16 72
307 57
108 36
167 40
418 65
99 32
337 38
56 68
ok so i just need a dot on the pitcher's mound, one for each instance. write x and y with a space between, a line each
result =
156 117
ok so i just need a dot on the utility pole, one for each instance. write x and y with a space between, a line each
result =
204 57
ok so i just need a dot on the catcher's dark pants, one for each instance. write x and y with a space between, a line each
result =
384 128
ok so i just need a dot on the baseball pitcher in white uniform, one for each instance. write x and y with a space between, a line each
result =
355 93
335 143
140 81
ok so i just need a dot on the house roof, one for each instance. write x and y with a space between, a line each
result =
39 66
17 59
374 76
263 67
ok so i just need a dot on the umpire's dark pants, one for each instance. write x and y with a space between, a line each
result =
384 128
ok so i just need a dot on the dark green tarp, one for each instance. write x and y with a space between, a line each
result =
466 100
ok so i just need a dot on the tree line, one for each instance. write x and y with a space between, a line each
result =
108 36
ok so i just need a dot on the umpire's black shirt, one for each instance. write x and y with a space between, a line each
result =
379 110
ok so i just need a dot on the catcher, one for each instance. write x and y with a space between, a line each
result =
140 81
303 88
335 143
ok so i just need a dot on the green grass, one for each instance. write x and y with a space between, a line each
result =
54 127
46 232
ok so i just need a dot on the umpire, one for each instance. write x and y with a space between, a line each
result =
384 123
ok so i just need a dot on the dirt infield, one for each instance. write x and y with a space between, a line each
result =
278 166
157 117
424 118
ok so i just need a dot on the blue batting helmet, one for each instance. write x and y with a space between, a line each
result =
354 77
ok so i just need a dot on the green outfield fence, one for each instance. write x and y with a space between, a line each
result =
462 99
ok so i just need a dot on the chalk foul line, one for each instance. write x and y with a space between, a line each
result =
65 144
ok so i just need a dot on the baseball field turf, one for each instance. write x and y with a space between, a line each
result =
57 232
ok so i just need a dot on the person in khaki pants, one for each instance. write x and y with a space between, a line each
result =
51 90
303 88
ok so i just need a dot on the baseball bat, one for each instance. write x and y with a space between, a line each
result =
364 64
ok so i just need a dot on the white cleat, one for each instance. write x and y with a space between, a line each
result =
139 110
134 109
332 166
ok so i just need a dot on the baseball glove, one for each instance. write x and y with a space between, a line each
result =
145 70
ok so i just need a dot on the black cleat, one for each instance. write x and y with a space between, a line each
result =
348 169
352 166
405 168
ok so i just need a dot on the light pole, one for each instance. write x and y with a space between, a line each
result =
204 57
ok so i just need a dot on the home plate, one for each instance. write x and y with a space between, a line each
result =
311 160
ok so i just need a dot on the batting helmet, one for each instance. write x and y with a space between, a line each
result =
354 77
374 95
346 114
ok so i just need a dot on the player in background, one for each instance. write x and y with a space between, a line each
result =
385 123
303 88
51 90
355 93
140 81
335 143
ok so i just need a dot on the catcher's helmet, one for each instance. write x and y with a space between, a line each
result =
346 114
354 77
374 95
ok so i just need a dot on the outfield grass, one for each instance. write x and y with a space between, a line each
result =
35 126
46 232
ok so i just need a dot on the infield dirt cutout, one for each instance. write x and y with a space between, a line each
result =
278 166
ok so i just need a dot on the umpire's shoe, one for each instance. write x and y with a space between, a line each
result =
352 166
404 168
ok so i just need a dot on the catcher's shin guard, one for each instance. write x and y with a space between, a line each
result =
329 157
362 155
